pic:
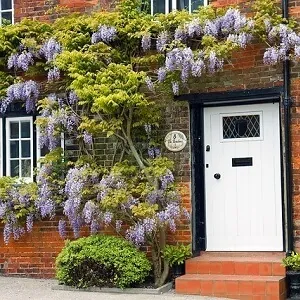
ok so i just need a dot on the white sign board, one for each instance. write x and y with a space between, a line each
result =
175 141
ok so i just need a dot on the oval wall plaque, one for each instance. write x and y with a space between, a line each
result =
175 141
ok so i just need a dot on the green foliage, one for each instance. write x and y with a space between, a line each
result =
5 81
101 261
28 32
292 262
176 255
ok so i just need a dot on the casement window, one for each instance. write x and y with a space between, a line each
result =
19 148
166 6
6 12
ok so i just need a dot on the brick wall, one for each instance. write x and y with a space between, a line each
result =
44 10
35 253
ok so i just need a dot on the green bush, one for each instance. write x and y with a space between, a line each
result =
292 262
101 261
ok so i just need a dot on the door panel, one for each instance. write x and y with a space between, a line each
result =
243 207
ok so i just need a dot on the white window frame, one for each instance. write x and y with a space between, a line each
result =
174 6
8 10
7 140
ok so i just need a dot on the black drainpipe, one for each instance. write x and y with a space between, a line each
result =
287 139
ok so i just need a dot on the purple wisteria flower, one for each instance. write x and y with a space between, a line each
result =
170 215
73 98
214 63
271 56
104 34
25 59
13 61
20 61
162 41
62 228
53 74
175 87
94 227
242 39
211 28
149 84
149 225
50 49
155 196
146 41
27 91
161 74
107 218
197 68
136 234
87 138
194 28
118 225
29 222
180 34
167 179
148 128
297 51
90 211
3 208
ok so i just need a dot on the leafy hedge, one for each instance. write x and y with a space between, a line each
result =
101 261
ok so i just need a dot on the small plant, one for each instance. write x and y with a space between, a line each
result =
292 262
176 255
101 261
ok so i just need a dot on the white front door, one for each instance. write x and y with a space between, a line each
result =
243 178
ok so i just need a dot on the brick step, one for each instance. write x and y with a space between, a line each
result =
233 286
263 264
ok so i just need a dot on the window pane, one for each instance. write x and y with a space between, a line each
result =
25 148
6 4
183 4
14 130
25 129
196 4
158 6
6 18
14 149
14 168
26 168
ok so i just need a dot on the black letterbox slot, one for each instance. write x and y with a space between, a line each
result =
242 162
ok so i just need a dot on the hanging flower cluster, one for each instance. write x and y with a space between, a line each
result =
104 34
27 91
56 119
16 209
20 61
286 44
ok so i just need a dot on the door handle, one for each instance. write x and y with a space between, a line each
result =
217 176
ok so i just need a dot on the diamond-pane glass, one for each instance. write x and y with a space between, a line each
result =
236 127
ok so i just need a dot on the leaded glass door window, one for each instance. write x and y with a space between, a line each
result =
241 126
19 148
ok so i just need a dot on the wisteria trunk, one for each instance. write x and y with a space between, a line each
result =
160 265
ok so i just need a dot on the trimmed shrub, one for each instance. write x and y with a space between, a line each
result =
100 261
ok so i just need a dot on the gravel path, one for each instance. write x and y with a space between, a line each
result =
12 288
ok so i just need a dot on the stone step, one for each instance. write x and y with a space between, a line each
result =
257 263
233 286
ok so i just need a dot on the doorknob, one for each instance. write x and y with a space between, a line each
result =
217 176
